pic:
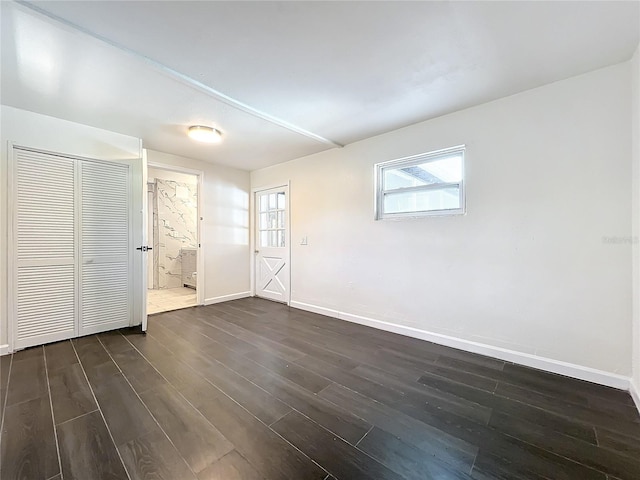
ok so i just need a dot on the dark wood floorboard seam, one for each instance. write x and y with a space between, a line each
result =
53 418
79 416
473 464
365 434
226 395
573 460
95 399
6 396
280 417
146 407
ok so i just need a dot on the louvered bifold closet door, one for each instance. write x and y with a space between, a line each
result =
44 304
105 246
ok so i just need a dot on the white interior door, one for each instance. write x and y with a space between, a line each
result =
113 244
75 225
44 258
272 272
106 247
142 239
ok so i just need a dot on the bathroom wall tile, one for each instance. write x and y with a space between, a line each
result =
176 228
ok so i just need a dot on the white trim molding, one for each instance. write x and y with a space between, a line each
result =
542 363
4 349
635 394
227 298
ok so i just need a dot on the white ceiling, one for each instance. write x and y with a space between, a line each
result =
287 79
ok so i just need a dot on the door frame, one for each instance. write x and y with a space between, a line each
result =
254 232
200 277
134 236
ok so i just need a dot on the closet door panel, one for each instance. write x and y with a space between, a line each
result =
44 281
105 277
46 304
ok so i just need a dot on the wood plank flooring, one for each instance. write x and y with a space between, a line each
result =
251 389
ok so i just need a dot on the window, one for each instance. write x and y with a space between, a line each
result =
271 225
427 184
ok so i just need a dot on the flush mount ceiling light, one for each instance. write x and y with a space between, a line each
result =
204 134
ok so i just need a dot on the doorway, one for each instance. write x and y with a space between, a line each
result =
272 271
173 232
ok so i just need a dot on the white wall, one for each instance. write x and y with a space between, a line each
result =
635 129
55 135
527 269
225 228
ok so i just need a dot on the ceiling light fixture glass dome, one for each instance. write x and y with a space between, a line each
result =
204 134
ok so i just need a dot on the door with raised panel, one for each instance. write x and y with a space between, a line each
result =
272 244
74 262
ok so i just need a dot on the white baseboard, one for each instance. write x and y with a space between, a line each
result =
542 363
635 394
226 298
4 350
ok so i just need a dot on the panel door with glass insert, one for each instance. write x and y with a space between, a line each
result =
272 244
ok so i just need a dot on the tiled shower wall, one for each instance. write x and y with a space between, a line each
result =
176 210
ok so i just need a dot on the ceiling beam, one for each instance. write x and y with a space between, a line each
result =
185 79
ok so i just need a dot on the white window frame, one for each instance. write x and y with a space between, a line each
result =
415 160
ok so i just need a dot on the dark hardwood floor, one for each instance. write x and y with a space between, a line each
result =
251 389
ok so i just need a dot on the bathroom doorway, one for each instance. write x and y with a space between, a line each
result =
173 232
